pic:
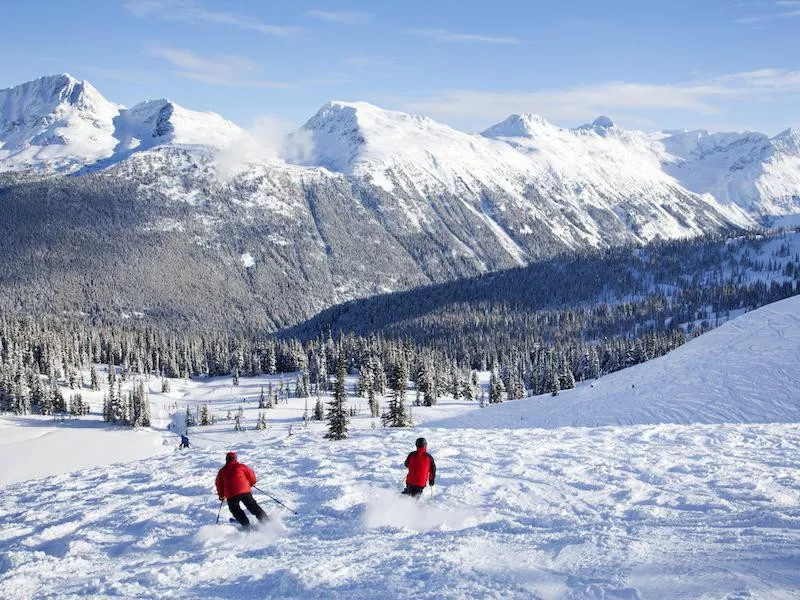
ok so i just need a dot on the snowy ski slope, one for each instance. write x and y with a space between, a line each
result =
649 510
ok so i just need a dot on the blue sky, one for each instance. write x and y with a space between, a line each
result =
648 64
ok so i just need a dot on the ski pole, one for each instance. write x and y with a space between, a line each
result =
220 510
294 512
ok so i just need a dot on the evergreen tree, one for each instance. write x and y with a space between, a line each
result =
106 409
145 406
397 416
205 419
495 389
46 401
189 418
270 393
319 410
94 380
337 412
75 404
567 379
554 382
455 382
111 373
374 403
58 403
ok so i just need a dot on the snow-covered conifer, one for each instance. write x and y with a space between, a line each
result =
319 410
337 411
396 415
205 419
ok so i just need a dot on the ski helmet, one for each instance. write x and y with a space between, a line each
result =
421 443
230 456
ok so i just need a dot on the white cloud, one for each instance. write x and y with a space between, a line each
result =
230 71
268 139
773 16
342 17
189 11
445 36
613 97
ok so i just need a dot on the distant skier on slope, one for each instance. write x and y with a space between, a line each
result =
234 482
421 470
184 440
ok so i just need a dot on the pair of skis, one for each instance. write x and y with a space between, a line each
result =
291 510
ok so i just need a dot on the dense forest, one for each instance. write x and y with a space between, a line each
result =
625 292
538 330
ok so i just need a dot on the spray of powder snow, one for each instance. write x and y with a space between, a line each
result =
257 537
268 140
390 509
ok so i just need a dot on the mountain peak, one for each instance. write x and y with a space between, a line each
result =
155 122
603 122
338 114
788 139
341 132
55 122
43 96
602 126
524 125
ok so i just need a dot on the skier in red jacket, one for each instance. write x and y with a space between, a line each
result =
421 470
234 482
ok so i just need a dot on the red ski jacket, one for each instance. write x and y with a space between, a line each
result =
421 468
234 479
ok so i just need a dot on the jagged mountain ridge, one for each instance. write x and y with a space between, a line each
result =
756 172
508 183
384 202
61 124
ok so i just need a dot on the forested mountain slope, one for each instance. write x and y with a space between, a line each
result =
163 212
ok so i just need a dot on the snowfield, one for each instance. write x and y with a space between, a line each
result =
623 512
683 492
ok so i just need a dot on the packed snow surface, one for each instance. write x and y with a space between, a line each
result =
657 510
40 447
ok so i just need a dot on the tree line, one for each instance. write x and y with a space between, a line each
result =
627 306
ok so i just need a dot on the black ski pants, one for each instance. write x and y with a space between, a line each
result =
413 491
250 504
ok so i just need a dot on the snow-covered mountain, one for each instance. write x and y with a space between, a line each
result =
758 173
61 124
657 185
55 122
421 201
